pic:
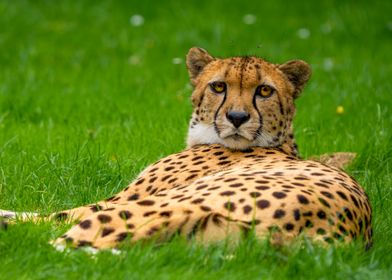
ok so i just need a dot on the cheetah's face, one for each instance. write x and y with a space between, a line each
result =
242 102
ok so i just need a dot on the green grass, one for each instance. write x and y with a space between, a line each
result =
87 101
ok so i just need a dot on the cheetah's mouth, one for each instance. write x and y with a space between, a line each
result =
236 136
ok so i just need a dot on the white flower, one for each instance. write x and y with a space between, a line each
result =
328 64
303 33
177 60
136 20
249 19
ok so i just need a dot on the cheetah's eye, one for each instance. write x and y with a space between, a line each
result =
218 87
264 91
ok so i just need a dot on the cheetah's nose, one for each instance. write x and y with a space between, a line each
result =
237 118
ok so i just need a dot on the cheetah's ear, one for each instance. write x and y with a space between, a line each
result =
196 60
298 72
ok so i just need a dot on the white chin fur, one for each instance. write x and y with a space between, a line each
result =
206 134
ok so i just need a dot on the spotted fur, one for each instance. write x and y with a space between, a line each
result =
232 179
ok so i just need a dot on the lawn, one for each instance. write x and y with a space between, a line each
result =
90 94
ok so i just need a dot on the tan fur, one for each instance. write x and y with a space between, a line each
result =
224 185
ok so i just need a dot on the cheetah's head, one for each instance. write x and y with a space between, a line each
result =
241 102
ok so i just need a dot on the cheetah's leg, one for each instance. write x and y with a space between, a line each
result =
130 193
70 215
77 213
133 222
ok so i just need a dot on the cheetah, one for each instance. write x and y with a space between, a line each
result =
240 172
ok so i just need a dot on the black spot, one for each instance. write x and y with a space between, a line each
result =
354 200
360 225
227 193
96 208
197 158
297 214
165 178
104 218
183 156
146 202
69 240
262 182
236 185
321 214
106 231
149 213
317 174
229 179
301 178
341 217
262 204
262 188
343 230
172 180
308 224
133 197
327 194
247 209
122 236
197 201
307 214
324 202
279 213
205 208
302 199
342 195
279 195
169 168
202 187
321 231
166 214
254 194
229 206
348 213
191 177
86 224
152 179
125 215
140 181
152 231
338 236
329 240
321 185
83 243
289 226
